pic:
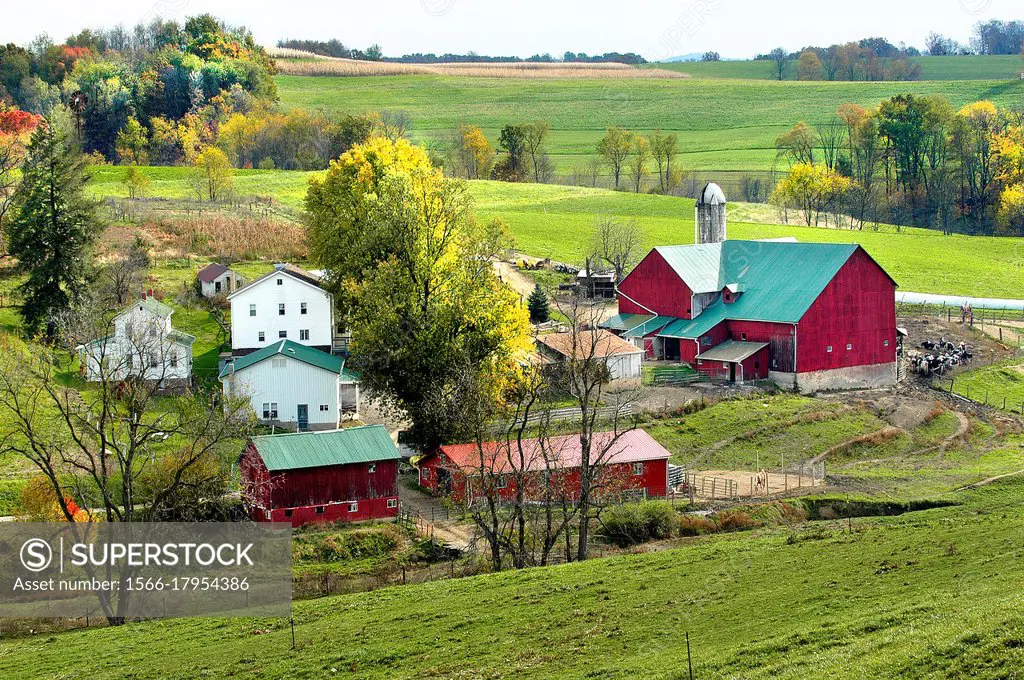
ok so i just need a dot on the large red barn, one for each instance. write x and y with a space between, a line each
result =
341 475
812 315
630 462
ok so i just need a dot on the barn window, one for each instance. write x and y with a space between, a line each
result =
353 506
282 334
263 336
885 343
325 407
392 503
502 482
280 282
302 308
252 310
829 348
288 512
279 362
743 336
304 334
280 309
266 410
372 468
320 509
638 468
849 347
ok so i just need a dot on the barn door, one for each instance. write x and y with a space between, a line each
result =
303 417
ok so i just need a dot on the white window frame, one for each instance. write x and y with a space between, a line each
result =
252 310
302 308
262 336
849 347
638 469
501 482
281 309
828 349
303 334
282 335
392 503
371 468
353 506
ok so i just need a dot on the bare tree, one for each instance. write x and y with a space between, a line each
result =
535 135
638 170
615 147
617 243
780 63
584 376
124 273
831 139
395 125
664 149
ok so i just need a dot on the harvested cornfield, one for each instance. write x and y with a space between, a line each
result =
298 63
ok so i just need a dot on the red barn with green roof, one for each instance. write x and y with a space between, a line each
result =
815 315
346 475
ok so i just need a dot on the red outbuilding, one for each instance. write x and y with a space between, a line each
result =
342 475
816 316
630 462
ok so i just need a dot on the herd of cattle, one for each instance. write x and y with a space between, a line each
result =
938 357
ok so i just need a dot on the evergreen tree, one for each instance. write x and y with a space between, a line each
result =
54 227
537 303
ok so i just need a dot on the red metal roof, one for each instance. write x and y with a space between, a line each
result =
563 452
210 272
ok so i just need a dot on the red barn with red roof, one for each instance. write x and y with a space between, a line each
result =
630 462
816 316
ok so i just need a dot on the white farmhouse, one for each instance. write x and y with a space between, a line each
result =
293 386
216 279
286 304
142 344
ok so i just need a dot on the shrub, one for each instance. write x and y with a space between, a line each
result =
696 526
634 523
735 520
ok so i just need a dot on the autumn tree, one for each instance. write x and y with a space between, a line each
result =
812 189
53 229
411 271
798 144
133 143
615 148
808 66
472 152
136 182
213 177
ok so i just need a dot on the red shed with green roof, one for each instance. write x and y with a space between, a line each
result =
815 315
344 475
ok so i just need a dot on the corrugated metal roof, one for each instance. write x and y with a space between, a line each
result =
210 272
292 350
779 280
320 449
647 327
564 452
598 344
732 351
624 322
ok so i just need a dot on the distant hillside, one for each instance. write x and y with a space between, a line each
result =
974 67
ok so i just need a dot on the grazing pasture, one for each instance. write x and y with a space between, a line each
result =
722 124
558 222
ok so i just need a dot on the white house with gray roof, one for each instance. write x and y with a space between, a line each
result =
143 343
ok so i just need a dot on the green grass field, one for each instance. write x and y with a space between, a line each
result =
925 595
722 124
558 221
973 67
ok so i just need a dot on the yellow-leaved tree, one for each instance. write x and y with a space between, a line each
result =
411 269
811 189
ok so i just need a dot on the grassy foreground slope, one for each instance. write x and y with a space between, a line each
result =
558 222
930 594
722 125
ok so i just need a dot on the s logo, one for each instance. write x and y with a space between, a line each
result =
36 554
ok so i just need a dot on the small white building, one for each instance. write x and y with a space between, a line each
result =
622 358
293 386
285 304
217 279
143 344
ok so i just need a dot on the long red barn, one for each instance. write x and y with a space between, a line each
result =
812 315
346 475
630 462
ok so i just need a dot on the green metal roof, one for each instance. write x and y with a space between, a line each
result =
624 322
647 327
732 351
182 337
779 281
292 350
319 449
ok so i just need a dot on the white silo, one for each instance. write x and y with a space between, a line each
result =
710 221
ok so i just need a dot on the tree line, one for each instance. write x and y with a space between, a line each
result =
913 160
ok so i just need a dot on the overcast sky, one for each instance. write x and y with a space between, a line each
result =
655 29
